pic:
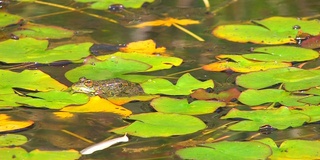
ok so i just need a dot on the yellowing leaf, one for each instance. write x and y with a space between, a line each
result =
97 104
145 47
63 114
10 125
166 22
124 100
242 65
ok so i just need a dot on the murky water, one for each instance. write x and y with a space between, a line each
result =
47 134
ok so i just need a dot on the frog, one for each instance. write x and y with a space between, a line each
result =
114 87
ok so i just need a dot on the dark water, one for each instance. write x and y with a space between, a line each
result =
46 134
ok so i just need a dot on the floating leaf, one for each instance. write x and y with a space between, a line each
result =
281 118
34 80
293 149
114 67
43 32
227 151
8 140
311 111
20 153
32 50
241 64
7 19
8 125
104 4
157 62
273 30
161 125
167 22
184 86
124 100
97 104
313 100
181 106
282 54
293 79
256 97
144 47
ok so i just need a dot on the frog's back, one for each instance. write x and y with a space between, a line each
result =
117 88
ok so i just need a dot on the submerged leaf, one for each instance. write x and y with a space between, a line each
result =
281 118
161 125
184 86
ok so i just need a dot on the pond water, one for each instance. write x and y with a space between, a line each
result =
47 133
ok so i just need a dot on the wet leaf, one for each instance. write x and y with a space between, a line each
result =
104 4
34 80
293 79
7 19
8 125
9 140
282 54
32 50
167 22
39 31
181 106
313 100
273 30
97 104
240 64
225 96
161 125
227 151
124 100
114 67
311 111
184 86
156 62
281 118
256 97
144 47
20 153
293 149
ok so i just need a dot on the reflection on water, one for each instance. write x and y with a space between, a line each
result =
47 135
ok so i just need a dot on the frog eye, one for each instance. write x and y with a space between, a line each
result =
88 83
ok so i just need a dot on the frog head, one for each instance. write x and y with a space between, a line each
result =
84 86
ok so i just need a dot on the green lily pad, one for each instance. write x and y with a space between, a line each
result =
282 54
227 151
8 140
281 118
32 50
238 63
111 68
185 84
273 30
34 80
256 97
7 19
311 111
20 153
181 106
293 149
104 4
293 78
313 100
43 32
157 62
161 125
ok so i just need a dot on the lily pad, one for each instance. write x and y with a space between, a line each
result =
311 111
181 106
293 79
104 4
227 151
8 125
256 97
157 62
114 67
273 30
282 54
184 86
8 140
32 50
293 149
241 64
281 118
43 32
161 125
7 19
